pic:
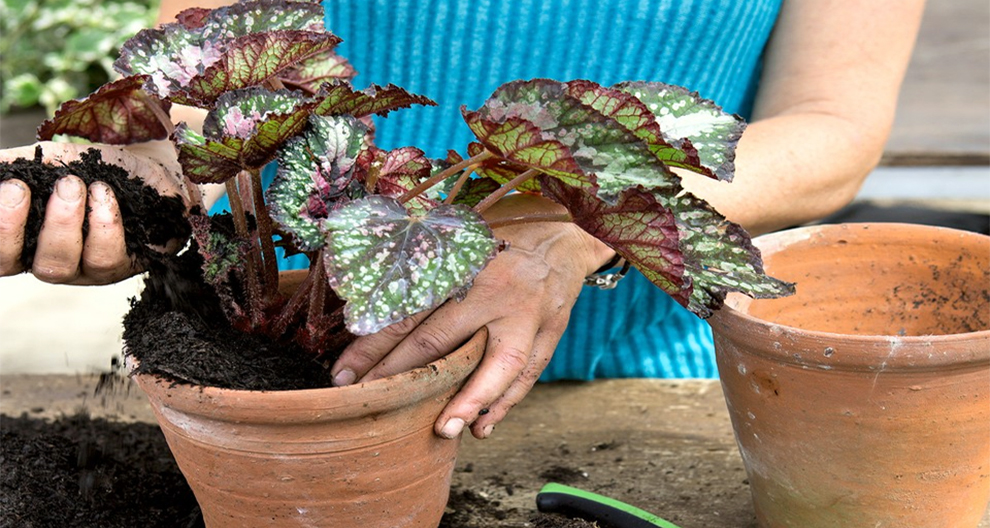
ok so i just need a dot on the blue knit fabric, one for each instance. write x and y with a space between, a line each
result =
458 51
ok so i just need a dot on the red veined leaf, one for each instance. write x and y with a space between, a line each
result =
119 113
340 98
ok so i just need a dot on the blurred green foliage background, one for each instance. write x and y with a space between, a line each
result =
55 50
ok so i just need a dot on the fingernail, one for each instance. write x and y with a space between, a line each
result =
452 428
69 189
11 193
100 194
344 377
488 430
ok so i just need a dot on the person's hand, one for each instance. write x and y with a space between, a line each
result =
62 256
524 296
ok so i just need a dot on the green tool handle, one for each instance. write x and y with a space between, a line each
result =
608 513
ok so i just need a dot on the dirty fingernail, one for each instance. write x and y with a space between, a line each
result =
11 193
344 377
488 430
69 189
452 428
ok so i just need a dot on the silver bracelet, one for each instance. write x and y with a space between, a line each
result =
607 281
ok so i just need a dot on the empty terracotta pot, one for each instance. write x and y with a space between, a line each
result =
358 456
864 399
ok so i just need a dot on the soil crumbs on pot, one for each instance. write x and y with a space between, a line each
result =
82 472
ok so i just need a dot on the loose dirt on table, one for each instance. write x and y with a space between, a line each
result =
81 472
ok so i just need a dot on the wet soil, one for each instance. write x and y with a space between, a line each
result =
84 472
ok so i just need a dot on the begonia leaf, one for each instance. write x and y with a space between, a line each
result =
317 70
388 264
636 117
475 190
501 171
399 171
119 113
315 175
205 160
689 121
205 53
637 227
341 98
718 256
539 124
243 132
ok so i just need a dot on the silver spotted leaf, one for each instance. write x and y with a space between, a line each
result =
388 264
315 175
692 122
719 256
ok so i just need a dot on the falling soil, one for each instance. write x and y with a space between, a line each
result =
81 472
149 219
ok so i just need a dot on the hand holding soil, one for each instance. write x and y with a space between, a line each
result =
60 218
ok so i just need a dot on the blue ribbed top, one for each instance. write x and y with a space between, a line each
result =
458 51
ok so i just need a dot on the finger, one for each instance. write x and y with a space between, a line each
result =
15 203
438 335
507 355
104 254
60 242
543 348
365 352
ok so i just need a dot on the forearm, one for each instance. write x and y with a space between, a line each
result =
832 73
792 169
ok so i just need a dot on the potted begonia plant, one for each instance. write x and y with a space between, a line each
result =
388 234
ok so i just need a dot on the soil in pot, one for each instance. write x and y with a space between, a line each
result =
80 472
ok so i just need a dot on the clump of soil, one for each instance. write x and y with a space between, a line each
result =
148 217
78 472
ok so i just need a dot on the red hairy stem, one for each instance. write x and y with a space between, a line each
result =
443 175
503 190
265 231
530 219
318 295
458 185
254 292
298 300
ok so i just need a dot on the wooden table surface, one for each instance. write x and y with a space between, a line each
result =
664 446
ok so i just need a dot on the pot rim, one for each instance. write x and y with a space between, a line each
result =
330 403
808 347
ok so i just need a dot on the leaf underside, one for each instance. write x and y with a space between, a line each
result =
388 264
119 113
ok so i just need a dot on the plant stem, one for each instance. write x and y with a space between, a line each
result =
503 190
254 290
458 185
274 83
160 113
265 231
530 219
443 175
296 302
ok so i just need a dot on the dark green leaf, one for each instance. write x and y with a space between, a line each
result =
388 264
314 72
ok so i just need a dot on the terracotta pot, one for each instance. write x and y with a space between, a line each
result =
864 399
363 455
